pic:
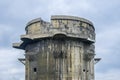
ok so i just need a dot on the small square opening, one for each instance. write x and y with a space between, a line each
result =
83 70
35 69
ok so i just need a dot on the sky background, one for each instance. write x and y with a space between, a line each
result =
105 14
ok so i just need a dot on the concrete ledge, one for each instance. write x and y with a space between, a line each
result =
17 45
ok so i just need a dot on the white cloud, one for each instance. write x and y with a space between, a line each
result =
10 66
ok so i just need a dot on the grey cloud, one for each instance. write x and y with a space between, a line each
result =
113 74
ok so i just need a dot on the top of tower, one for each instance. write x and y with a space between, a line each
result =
70 26
74 18
34 21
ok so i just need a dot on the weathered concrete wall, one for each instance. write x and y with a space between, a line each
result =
60 50
55 59
70 27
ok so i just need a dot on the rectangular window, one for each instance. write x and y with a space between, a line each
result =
35 69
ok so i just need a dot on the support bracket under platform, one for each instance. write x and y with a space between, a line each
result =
96 60
22 60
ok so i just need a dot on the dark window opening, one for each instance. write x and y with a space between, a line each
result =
35 69
83 70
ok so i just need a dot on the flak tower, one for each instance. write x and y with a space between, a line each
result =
62 49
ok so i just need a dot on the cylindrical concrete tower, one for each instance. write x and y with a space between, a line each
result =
62 49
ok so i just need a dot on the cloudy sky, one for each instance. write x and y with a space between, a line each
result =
105 14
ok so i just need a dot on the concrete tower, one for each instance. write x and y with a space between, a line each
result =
62 49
